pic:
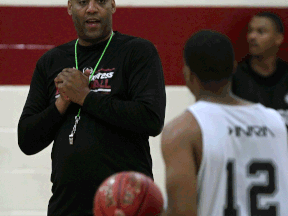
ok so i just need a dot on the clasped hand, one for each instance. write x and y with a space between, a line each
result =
73 85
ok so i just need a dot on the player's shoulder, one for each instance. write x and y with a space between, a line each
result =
271 117
270 112
182 130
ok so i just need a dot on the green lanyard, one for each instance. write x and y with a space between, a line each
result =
77 118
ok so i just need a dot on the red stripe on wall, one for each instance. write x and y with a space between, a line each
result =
167 28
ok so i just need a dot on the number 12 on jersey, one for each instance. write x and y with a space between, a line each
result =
254 191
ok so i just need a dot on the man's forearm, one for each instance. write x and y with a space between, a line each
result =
36 132
130 115
62 105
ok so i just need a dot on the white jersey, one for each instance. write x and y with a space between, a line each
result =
244 168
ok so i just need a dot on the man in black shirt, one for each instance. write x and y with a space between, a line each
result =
99 98
262 76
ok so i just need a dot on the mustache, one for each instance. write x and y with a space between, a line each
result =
253 43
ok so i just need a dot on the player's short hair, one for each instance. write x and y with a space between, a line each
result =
210 55
274 18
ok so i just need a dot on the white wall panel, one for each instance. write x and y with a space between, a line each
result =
23 213
12 100
161 3
24 190
12 157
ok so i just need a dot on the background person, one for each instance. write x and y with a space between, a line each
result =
263 76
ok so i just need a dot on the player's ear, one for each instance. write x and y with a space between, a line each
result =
113 6
235 65
69 8
186 73
279 39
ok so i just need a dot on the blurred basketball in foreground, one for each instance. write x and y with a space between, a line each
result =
132 192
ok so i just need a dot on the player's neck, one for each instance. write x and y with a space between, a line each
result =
264 65
90 42
220 99
221 96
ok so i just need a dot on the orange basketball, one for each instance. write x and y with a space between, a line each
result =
132 192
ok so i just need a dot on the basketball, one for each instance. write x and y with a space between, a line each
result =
132 192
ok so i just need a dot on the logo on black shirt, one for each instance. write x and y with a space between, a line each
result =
88 68
100 81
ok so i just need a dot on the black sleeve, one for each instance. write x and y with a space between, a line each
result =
145 111
39 121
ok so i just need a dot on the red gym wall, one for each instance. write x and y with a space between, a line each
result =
167 28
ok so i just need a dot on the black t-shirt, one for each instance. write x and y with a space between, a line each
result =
271 91
125 106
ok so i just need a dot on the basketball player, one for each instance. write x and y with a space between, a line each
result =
224 156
